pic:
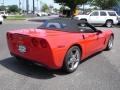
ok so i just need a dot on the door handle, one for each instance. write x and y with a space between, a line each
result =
83 36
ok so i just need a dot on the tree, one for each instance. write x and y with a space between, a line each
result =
72 4
51 8
2 8
104 4
55 10
61 8
13 8
45 8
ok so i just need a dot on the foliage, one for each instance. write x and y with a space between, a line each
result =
13 8
55 10
61 8
2 8
45 8
104 4
72 4
17 17
51 7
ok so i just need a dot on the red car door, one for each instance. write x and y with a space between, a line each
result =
101 40
90 43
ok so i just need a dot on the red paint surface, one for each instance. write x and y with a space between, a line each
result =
57 44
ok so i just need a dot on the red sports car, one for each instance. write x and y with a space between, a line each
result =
59 44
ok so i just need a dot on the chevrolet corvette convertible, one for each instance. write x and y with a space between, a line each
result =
59 44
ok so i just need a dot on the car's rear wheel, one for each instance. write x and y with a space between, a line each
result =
110 43
72 59
109 23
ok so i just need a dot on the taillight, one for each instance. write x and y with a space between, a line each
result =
9 36
43 43
35 42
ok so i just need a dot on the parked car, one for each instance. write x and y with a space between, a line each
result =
42 14
102 17
39 14
3 14
57 44
118 20
1 19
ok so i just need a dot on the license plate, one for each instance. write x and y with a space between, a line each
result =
22 48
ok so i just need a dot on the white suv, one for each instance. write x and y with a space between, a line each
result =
102 17
1 19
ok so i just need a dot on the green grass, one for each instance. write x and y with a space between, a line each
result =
17 17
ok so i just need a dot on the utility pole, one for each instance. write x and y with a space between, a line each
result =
33 6
2 3
27 6
83 8
37 6
19 4
19 7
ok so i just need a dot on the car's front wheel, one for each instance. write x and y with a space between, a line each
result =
72 59
110 43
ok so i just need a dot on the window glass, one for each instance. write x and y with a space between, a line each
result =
95 14
103 14
53 25
86 29
112 13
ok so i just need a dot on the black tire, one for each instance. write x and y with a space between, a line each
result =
21 60
109 23
110 43
0 22
83 22
72 59
4 17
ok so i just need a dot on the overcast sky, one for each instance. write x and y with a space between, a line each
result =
23 2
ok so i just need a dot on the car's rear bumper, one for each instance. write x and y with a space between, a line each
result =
29 59
47 62
115 22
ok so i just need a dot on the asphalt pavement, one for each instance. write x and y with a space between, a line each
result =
99 72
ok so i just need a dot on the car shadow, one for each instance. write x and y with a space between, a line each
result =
30 70
33 70
88 58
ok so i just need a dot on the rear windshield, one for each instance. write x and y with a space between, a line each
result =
64 25
112 13
67 25
52 25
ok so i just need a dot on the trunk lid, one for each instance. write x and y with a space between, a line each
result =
38 32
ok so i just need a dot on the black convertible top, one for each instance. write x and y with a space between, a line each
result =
68 25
